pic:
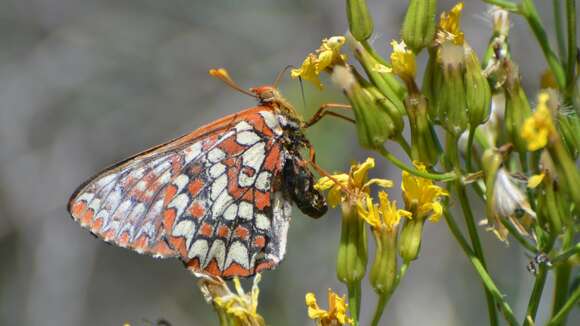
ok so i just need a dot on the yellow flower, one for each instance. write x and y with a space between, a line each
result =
449 29
354 186
538 128
240 307
422 195
403 60
385 217
336 313
324 57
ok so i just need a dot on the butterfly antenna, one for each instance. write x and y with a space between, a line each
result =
281 74
223 75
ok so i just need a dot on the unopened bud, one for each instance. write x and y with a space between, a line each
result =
360 21
419 24
477 90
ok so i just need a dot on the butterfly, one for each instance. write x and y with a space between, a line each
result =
218 198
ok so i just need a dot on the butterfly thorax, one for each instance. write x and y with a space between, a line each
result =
270 96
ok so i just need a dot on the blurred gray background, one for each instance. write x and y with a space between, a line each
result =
87 83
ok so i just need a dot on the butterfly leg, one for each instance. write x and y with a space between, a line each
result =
324 110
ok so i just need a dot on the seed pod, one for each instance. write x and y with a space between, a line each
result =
419 24
360 21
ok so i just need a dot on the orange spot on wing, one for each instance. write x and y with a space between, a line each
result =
194 187
87 217
162 249
260 241
141 243
272 161
96 226
265 265
231 147
169 194
78 208
213 268
178 243
236 269
123 240
197 210
242 232
262 200
176 165
169 218
223 231
193 264
206 230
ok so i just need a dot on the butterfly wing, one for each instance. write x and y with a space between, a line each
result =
212 197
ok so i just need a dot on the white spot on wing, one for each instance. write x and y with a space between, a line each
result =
216 170
246 210
243 125
244 180
262 222
263 181
254 156
105 180
231 212
216 155
185 228
218 186
247 138
237 253
270 119
87 197
179 203
198 249
220 204
192 152
217 251
180 182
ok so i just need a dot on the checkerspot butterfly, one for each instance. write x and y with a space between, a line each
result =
218 198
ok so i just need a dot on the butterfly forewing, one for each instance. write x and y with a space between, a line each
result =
212 197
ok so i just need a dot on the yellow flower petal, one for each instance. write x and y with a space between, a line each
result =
449 26
535 180
403 60
327 55
336 313
422 196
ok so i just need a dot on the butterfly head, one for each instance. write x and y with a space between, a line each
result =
270 96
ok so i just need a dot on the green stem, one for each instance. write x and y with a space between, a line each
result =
385 297
528 9
557 8
536 296
480 269
570 303
381 304
505 4
563 273
354 297
404 144
453 158
566 254
449 176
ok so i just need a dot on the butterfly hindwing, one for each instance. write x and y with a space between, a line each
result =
212 197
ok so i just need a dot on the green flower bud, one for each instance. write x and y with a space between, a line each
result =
432 81
491 161
452 101
352 251
424 145
419 24
517 110
385 81
410 239
383 275
477 91
374 124
360 21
